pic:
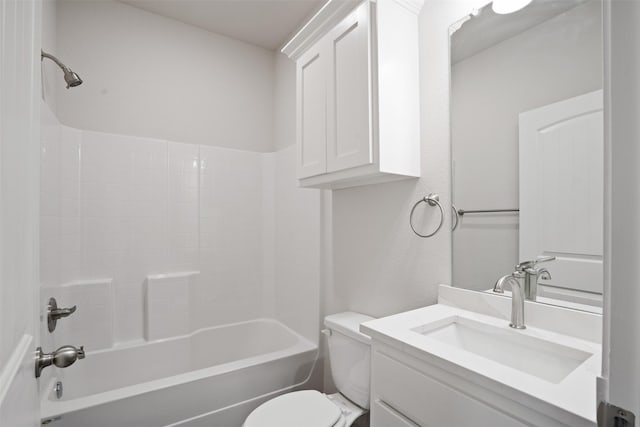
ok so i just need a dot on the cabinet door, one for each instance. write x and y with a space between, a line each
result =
386 416
312 117
421 398
349 139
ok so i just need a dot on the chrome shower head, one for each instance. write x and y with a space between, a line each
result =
70 77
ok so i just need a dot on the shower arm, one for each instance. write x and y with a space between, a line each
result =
72 79
44 54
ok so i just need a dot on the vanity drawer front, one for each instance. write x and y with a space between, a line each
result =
428 401
388 417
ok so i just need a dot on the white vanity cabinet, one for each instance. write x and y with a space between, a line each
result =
459 364
416 397
407 391
357 94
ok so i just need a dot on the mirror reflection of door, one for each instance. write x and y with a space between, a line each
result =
562 193
505 68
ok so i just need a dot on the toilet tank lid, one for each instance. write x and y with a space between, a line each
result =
348 323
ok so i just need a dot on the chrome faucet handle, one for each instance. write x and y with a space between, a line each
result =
54 313
540 259
59 313
524 265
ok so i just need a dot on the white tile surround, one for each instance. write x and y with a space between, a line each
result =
167 305
117 209
94 299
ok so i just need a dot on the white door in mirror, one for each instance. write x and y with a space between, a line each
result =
561 190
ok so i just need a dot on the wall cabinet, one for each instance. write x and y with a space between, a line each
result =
358 94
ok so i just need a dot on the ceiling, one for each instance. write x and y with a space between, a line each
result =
488 28
265 23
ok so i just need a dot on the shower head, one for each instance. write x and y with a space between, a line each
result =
70 77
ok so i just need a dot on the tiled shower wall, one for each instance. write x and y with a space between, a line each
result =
117 209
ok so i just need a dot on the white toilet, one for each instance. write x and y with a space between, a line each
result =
350 356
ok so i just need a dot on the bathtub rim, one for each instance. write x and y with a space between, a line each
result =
51 407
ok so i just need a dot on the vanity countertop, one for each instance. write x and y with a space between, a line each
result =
574 393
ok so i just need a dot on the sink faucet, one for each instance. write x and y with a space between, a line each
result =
516 281
533 274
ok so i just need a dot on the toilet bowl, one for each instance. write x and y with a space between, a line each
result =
350 356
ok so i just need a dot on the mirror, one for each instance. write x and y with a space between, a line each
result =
527 148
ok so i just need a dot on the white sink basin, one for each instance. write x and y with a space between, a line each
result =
544 359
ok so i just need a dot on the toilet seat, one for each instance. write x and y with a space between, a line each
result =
308 408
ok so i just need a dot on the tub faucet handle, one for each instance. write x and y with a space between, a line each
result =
64 312
54 313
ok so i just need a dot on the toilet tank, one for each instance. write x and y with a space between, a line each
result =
350 356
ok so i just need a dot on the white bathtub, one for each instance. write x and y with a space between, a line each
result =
213 377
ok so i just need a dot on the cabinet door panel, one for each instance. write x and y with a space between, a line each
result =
348 98
312 130
388 417
427 401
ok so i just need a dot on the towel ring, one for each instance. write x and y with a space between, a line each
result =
456 216
432 200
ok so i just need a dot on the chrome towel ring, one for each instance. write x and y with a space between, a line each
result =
456 216
432 200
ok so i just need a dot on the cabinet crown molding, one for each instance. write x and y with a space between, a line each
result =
328 16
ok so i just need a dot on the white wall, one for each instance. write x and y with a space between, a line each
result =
297 249
52 76
297 219
558 59
150 76
298 275
285 103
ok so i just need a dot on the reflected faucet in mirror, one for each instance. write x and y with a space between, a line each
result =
530 274
533 274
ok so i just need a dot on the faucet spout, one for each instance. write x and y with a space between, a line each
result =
516 282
